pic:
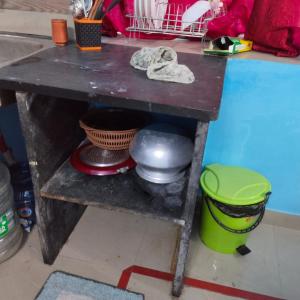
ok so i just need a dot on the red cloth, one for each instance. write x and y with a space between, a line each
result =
108 28
274 27
234 22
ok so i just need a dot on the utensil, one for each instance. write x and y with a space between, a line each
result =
91 160
162 153
195 12
84 8
97 157
86 5
76 8
99 11
94 8
111 129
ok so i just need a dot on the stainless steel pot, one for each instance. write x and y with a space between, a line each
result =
162 153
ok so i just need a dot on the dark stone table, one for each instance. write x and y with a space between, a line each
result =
54 89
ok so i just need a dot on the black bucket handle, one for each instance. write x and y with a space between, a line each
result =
239 231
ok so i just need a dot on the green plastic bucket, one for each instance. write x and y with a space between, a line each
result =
234 202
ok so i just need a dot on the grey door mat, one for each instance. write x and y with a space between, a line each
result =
64 286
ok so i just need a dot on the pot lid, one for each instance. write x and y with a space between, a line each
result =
162 146
234 185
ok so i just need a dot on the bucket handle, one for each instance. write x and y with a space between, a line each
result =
239 231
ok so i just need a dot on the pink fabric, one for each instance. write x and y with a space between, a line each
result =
116 16
274 27
108 28
234 22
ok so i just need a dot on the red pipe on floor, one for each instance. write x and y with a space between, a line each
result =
196 283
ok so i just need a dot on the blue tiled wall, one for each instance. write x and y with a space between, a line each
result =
259 126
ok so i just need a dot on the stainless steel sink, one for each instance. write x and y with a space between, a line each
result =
16 47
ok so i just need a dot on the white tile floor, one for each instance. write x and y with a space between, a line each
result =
104 243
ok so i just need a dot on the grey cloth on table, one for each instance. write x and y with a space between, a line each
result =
163 55
161 64
143 58
171 72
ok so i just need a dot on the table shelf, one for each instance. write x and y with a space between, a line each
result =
119 192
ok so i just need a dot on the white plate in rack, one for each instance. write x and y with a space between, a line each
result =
161 10
142 8
148 11
136 8
194 12
153 10
147 8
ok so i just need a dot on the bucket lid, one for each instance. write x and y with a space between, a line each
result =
234 185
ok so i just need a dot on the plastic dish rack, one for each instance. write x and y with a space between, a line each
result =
171 23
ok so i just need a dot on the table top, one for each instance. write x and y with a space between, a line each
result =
107 77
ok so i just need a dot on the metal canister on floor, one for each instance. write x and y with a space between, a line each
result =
10 231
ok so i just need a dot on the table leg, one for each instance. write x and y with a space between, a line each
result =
51 131
189 209
176 250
